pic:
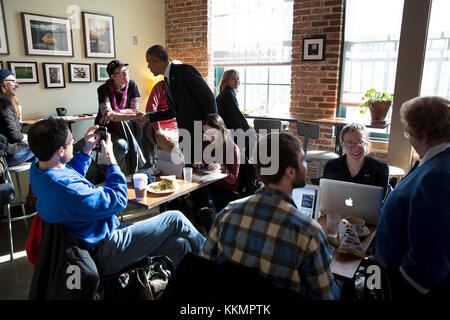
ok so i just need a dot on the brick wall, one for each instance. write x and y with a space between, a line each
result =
314 86
187 34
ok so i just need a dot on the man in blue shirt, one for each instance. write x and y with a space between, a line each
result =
266 231
67 198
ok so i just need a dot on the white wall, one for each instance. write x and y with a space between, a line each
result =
142 18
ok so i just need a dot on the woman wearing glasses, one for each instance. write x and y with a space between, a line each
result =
17 150
356 165
413 238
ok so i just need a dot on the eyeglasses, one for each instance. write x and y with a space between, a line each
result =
406 134
352 144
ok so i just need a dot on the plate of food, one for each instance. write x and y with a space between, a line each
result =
167 184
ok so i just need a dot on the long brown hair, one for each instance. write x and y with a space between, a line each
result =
226 79
13 99
215 121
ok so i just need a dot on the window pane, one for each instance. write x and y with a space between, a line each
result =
370 52
257 75
251 31
279 99
436 71
280 74
256 98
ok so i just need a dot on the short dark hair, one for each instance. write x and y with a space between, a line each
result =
46 136
158 51
289 151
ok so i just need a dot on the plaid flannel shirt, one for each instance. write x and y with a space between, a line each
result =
268 232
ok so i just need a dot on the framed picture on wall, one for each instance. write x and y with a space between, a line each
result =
101 74
47 36
314 49
98 35
25 72
53 75
4 46
79 72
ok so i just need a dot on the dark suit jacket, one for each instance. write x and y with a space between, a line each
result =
192 100
228 108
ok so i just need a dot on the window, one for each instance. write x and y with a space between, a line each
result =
255 38
436 71
370 55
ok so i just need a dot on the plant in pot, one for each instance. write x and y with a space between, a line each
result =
378 103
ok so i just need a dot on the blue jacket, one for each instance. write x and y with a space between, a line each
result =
414 228
66 197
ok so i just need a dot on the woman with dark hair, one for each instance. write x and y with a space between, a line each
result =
220 154
413 238
17 150
227 104
356 165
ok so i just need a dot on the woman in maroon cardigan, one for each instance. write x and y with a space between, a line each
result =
221 153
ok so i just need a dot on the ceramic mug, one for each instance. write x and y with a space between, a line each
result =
358 223
61 111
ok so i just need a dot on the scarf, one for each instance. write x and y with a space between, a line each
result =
112 94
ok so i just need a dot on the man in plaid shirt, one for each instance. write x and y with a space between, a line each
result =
268 232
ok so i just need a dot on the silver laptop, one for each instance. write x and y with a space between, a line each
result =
307 200
350 199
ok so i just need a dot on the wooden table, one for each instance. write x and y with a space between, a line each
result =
70 119
153 200
344 265
337 122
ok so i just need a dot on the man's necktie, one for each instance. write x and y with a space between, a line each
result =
167 89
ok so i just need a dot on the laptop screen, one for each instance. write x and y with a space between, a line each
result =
306 200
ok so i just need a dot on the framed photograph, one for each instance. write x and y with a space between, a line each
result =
53 75
101 74
47 36
4 46
98 35
79 72
25 72
314 49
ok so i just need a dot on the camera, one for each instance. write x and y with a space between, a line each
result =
102 131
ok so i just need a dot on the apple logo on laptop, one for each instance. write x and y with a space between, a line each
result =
349 202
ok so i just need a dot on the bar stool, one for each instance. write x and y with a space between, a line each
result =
16 170
311 130
395 173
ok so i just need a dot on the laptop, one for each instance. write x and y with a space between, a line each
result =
307 200
351 199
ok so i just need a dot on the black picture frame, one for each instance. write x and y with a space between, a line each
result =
4 45
79 72
53 75
98 35
101 75
314 48
24 71
47 35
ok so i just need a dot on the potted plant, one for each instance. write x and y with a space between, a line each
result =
378 103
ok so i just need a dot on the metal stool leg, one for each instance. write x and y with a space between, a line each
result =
11 245
22 204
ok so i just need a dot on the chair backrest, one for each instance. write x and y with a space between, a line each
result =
307 130
268 124
204 280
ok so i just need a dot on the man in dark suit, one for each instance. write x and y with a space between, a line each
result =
188 96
